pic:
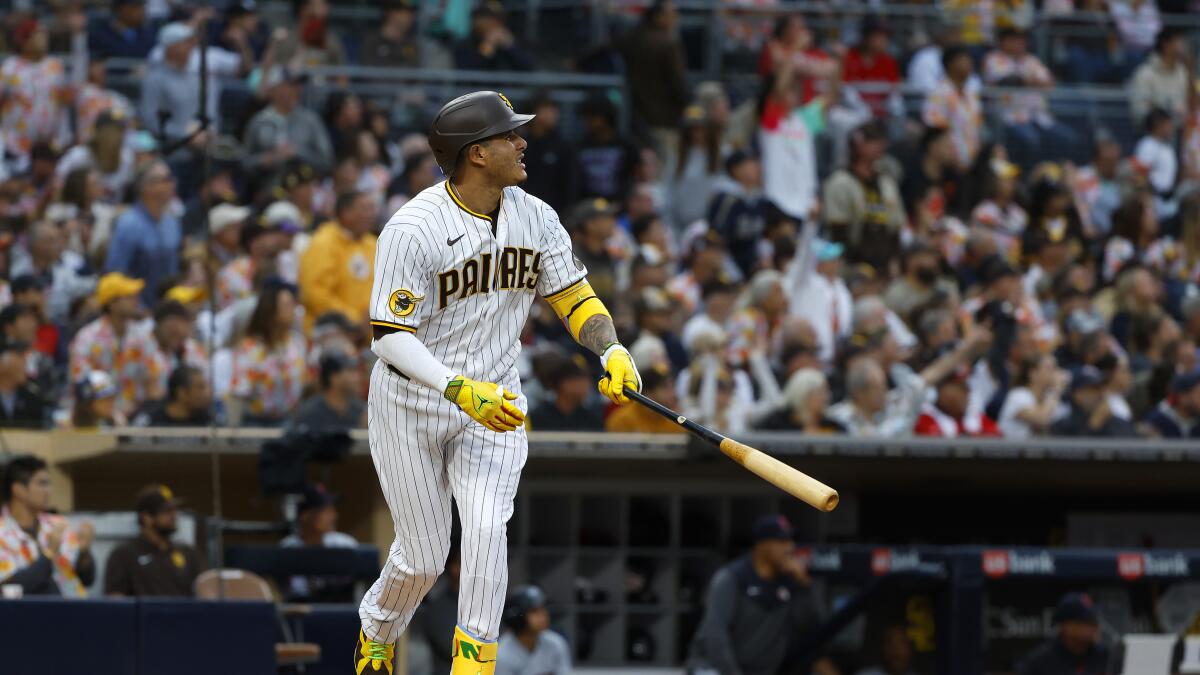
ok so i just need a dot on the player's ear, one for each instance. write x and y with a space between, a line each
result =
477 154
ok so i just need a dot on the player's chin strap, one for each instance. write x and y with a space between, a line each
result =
576 304
471 656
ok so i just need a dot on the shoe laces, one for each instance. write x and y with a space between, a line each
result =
378 651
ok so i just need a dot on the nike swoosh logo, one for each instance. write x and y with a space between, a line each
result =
145 559
451 242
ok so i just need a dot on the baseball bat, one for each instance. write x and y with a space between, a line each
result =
796 483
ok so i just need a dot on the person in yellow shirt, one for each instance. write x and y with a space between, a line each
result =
658 384
337 266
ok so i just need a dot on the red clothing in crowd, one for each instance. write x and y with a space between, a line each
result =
934 422
808 58
879 68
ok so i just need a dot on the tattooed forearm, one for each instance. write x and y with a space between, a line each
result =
598 333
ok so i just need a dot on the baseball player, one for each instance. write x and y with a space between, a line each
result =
456 271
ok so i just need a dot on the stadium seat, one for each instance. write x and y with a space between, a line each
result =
234 584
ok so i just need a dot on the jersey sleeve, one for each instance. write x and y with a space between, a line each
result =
402 273
560 269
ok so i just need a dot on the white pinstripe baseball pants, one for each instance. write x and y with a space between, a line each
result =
426 450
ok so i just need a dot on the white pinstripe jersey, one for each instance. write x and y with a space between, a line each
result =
441 273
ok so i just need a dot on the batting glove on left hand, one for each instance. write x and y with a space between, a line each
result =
619 372
485 402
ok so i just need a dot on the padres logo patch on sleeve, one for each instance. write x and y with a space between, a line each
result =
402 302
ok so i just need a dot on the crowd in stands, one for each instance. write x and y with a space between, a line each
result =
814 258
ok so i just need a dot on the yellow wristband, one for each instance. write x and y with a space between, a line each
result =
576 304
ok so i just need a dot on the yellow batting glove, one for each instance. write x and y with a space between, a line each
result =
486 403
619 372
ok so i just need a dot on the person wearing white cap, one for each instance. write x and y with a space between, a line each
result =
817 291
225 230
170 98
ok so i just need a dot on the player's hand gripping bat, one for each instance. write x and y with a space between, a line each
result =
798 484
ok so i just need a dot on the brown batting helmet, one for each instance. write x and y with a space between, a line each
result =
468 119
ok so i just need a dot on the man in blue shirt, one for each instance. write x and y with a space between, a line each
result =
145 241
123 32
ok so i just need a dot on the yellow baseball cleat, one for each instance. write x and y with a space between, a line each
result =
470 656
378 655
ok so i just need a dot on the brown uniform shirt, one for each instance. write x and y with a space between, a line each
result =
139 568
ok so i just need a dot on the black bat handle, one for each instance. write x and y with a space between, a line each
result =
697 429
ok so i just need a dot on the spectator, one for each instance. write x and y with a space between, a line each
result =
956 106
316 526
491 45
338 405
343 120
593 226
654 314
225 222
529 647
123 32
268 363
1026 114
1000 213
1138 24
1033 402
1093 51
605 161
311 43
98 345
950 416
568 409
241 32
148 358
1076 648
62 272
794 50
806 396
897 654
921 283
862 205
1156 154
106 153
19 324
337 267
739 210
1090 413
21 406
752 637
263 243
697 172
1135 238
41 553
86 216
935 171
1163 80
925 70
95 100
28 290
1097 186
658 385
818 291
152 565
34 96
146 238
95 403
657 77
719 302
170 99
549 157
787 126
285 129
188 402
870 62
395 43
1179 415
